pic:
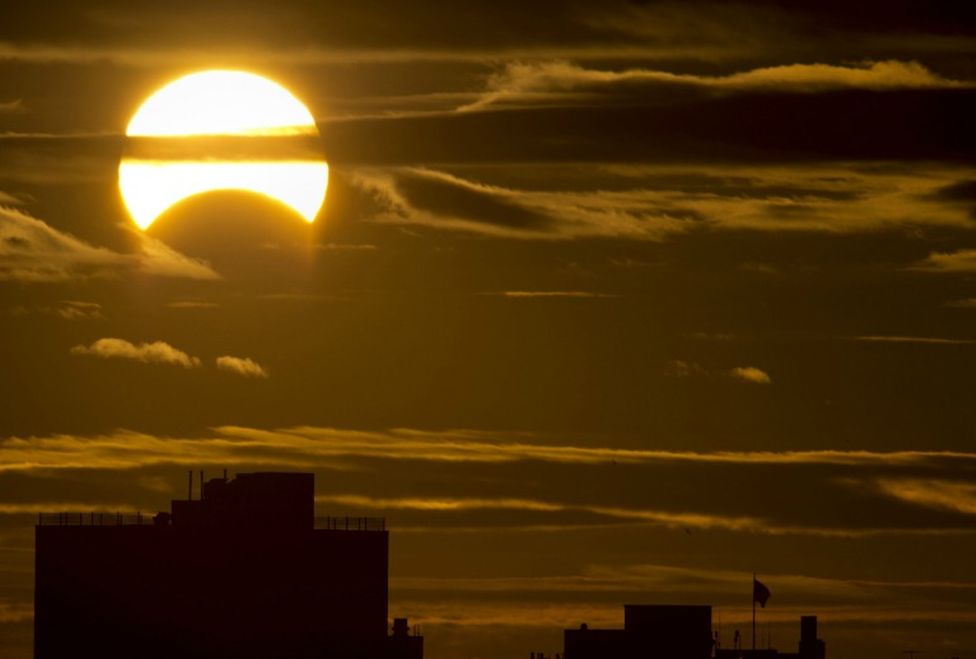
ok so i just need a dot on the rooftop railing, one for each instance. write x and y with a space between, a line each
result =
93 519
351 523
139 519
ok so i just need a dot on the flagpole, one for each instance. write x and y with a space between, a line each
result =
753 610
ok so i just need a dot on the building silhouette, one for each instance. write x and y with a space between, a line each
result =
402 644
244 571
663 631
652 631
810 646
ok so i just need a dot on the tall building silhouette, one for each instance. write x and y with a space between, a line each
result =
245 571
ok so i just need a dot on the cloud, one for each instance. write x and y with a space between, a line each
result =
463 481
16 105
962 191
641 121
443 193
241 366
33 251
549 294
963 303
346 247
437 504
751 374
79 310
157 352
14 612
66 309
489 32
665 518
963 260
308 446
315 55
685 369
656 203
932 493
713 581
417 196
299 296
876 76
562 81
162 260
143 35
684 520
924 340
191 304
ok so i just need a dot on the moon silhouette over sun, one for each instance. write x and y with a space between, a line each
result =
221 130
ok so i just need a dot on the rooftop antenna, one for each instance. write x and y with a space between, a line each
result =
225 474
189 482
201 485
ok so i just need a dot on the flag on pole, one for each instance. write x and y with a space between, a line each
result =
759 592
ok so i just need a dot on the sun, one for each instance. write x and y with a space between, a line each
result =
221 130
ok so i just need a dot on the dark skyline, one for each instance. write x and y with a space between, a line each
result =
245 570
607 302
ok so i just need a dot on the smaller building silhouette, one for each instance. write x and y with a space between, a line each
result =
664 631
810 646
650 630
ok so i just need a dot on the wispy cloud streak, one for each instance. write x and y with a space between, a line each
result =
549 294
932 493
33 251
924 340
308 446
664 518
561 81
639 204
751 374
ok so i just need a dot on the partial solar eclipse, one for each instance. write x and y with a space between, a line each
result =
221 130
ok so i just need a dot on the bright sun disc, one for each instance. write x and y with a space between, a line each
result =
221 130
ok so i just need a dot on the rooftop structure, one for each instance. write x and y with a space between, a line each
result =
245 571
810 646
650 630
663 631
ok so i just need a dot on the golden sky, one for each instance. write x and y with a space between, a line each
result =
607 302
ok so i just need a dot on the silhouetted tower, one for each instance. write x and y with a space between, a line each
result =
811 647
243 572
402 644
